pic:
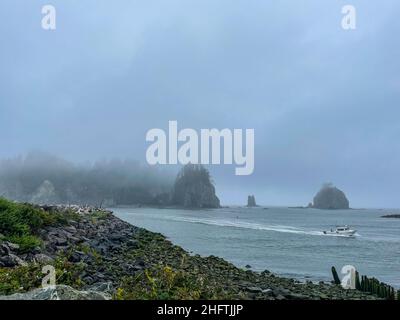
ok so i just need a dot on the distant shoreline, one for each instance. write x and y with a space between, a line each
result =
392 216
150 206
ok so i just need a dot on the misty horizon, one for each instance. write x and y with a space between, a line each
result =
46 167
323 101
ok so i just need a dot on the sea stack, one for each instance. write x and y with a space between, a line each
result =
330 197
193 188
251 201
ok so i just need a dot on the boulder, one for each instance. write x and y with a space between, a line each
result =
42 258
12 246
104 287
11 261
254 289
8 247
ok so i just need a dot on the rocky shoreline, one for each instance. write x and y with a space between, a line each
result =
98 256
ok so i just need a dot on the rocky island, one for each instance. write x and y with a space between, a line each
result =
330 197
251 201
194 188
96 255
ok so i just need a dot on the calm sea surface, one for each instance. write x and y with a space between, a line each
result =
286 241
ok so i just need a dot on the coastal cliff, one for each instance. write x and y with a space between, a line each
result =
98 256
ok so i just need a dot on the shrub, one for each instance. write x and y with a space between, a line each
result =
164 283
26 242
19 279
20 223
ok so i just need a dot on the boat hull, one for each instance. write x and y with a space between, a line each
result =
350 233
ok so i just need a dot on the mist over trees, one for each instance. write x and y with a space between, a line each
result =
46 179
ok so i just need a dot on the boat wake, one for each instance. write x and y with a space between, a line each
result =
244 225
248 225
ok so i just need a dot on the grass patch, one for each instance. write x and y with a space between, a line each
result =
20 223
20 279
26 278
98 216
162 282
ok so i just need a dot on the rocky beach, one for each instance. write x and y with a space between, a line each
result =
98 256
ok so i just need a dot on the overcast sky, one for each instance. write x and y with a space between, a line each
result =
324 102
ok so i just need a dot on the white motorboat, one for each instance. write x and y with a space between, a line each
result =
344 231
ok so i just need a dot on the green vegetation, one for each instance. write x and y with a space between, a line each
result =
164 283
20 279
99 215
25 278
20 223
68 273
171 273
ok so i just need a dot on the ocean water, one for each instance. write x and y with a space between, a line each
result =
286 241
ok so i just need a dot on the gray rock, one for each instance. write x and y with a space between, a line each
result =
7 247
11 260
102 287
12 246
254 289
134 268
61 242
116 237
7 262
77 256
99 276
70 229
59 292
267 291
132 243
4 250
297 296
42 258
